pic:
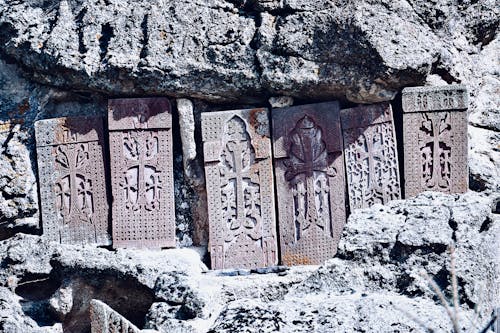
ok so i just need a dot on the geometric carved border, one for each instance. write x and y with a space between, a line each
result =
435 139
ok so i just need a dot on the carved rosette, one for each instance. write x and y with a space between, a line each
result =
435 139
142 172
73 193
239 188
370 155
310 180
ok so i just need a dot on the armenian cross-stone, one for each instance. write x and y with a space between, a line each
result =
103 319
309 170
140 139
239 178
371 155
435 139
71 159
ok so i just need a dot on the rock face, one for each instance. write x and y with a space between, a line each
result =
375 282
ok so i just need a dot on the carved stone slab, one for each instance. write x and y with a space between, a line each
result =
140 140
104 319
71 172
435 139
239 177
309 170
371 155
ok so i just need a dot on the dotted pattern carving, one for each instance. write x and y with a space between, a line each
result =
370 155
72 180
435 139
141 167
104 319
239 186
310 180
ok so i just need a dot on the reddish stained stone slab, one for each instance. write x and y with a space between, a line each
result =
71 159
140 141
371 156
239 179
435 139
309 170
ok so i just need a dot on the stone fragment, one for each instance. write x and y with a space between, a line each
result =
281 101
104 319
309 169
71 173
140 139
435 139
239 176
371 155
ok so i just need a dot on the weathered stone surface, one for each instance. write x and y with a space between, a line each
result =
371 155
435 139
280 101
142 172
73 195
309 169
239 176
223 51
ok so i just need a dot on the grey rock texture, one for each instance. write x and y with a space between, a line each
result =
375 282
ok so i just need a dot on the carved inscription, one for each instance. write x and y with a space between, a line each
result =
309 171
240 188
370 155
435 139
141 167
104 319
72 180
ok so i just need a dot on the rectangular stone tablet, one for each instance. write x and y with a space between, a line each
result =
371 156
71 162
435 139
309 170
240 188
140 140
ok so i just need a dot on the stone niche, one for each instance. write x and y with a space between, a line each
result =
309 169
140 139
371 155
240 188
71 168
435 139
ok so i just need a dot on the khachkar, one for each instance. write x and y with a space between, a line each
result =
104 319
371 155
309 170
435 139
140 140
239 175
71 159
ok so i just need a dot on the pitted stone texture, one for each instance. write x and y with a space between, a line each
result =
309 169
371 155
140 138
71 162
240 190
435 139
218 51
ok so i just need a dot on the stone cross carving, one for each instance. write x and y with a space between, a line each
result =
239 178
104 319
435 139
371 155
142 172
309 170
71 159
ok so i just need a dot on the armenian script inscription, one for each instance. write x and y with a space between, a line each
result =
140 141
371 156
309 171
435 139
239 177
73 195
